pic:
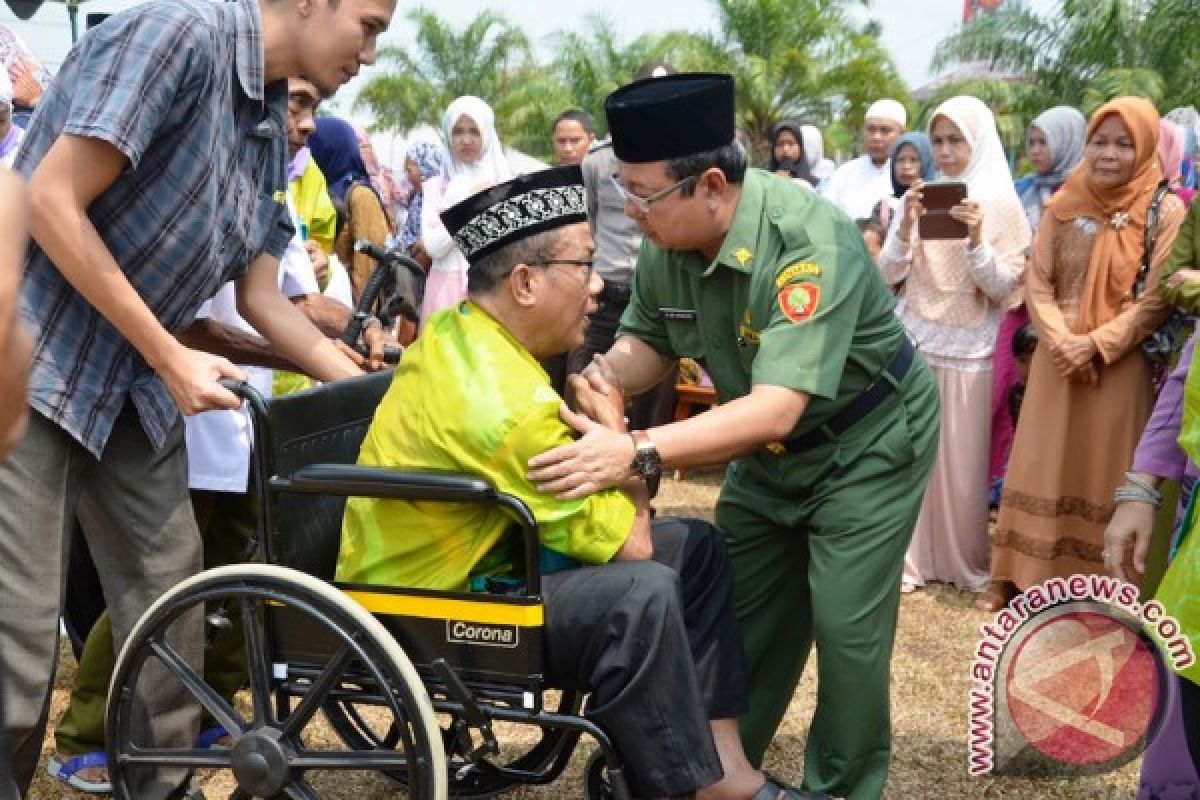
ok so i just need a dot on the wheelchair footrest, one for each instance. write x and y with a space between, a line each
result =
472 716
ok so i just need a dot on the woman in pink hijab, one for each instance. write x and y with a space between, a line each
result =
1170 158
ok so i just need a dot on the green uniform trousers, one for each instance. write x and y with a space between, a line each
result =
817 543
227 521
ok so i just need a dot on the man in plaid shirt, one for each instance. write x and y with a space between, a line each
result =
157 172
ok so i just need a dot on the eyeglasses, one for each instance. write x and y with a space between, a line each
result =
643 204
571 262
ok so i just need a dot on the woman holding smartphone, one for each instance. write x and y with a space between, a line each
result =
1090 388
955 291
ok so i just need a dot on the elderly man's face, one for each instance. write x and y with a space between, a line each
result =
568 290
302 104
879 135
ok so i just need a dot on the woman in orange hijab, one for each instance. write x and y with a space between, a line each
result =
1090 389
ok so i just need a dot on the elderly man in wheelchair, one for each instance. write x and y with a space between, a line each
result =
638 611
459 588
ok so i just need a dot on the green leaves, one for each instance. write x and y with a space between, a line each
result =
1083 54
790 58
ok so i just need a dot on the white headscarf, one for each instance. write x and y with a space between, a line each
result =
6 88
814 151
987 175
491 166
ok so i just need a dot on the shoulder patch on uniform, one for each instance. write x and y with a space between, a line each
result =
801 269
799 301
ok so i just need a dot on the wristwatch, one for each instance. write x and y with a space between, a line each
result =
647 463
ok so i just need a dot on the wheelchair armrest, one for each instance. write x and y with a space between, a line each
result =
357 481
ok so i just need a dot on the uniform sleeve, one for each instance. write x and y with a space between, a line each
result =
643 318
1183 256
818 295
132 72
591 529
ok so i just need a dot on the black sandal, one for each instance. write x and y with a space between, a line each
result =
775 789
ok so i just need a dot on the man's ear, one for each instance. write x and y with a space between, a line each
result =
522 284
713 184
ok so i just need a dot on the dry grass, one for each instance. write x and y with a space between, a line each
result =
937 633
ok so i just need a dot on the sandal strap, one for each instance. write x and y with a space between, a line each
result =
72 765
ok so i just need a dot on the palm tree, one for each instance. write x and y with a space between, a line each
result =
1087 51
445 64
799 58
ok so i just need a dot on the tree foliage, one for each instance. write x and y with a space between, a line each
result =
809 59
1084 53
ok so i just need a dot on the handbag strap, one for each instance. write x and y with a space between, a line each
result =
1139 285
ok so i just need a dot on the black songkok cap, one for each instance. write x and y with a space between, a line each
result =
658 119
516 209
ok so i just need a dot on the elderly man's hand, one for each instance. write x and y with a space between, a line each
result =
14 408
606 408
601 459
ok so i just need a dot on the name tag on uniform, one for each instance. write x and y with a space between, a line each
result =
678 314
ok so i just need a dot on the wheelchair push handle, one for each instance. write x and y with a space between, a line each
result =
369 297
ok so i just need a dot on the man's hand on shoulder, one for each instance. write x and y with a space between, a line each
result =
605 408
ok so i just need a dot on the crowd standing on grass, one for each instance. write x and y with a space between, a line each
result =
937 362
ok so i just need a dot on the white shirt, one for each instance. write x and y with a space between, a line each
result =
218 442
856 186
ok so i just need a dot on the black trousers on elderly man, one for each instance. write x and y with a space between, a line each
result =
658 646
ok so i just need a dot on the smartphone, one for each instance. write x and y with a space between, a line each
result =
938 199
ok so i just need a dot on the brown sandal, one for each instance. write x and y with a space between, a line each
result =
995 596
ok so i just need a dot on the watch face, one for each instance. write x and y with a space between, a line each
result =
647 462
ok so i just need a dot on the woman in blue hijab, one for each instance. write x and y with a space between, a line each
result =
361 214
911 160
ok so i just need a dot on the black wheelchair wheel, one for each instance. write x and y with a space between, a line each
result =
545 758
596 785
276 752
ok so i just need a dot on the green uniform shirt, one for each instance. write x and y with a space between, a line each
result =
792 299
467 397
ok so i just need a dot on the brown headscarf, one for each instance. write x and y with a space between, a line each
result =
1120 211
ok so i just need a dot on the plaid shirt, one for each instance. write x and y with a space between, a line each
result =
177 87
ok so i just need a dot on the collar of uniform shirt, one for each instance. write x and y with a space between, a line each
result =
742 236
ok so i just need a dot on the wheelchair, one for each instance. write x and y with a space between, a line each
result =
410 681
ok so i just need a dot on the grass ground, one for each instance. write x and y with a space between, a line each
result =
937 632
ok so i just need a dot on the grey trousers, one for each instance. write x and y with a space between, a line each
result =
658 646
143 536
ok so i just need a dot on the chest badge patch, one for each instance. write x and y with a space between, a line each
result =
743 256
799 301
801 269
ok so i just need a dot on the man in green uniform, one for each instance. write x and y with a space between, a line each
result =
830 419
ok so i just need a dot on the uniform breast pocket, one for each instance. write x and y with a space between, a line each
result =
684 335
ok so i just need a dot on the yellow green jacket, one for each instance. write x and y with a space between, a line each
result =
314 206
468 398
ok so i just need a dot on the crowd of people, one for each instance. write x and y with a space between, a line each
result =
986 391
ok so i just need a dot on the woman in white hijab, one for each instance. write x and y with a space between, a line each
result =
814 151
954 294
476 162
